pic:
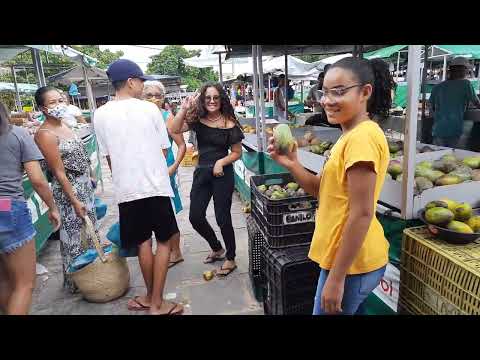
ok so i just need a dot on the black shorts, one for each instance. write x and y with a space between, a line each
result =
139 218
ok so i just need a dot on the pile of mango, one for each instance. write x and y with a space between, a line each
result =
316 145
277 192
247 129
396 148
452 215
447 171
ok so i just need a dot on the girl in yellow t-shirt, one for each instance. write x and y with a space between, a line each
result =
348 243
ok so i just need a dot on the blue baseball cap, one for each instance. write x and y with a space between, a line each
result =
123 69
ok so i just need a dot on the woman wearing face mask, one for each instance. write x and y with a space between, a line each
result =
154 91
211 116
68 161
348 242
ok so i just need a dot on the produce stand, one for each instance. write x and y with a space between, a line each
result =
36 205
398 204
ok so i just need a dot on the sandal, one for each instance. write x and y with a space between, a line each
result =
213 257
225 274
138 305
171 312
173 263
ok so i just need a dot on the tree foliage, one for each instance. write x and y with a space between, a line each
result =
56 64
170 62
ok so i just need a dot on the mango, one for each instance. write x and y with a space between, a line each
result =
438 216
448 180
474 223
459 227
476 175
463 212
449 158
463 175
438 203
293 186
395 168
315 141
451 204
284 140
425 164
423 184
395 146
433 175
472 162
262 188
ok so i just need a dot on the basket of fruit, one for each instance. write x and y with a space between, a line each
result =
452 222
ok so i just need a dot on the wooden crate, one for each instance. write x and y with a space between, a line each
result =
438 278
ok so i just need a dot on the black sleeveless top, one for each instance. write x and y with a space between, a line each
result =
214 143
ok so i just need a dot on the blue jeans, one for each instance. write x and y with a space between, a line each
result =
16 228
357 288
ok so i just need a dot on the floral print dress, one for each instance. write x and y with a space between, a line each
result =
77 168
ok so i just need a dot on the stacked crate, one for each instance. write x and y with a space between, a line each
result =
280 239
438 278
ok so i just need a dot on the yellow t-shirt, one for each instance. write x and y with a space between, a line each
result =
366 142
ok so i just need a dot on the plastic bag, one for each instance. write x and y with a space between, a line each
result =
86 258
100 208
113 236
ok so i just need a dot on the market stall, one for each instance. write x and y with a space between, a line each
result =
400 201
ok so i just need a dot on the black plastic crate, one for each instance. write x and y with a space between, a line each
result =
256 263
278 241
284 223
291 281
278 207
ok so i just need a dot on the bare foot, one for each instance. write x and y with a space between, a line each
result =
167 308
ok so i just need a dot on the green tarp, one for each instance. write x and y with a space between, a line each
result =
384 52
469 51
400 98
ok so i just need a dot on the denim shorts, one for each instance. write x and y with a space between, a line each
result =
16 228
356 290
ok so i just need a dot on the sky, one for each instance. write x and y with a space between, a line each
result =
141 53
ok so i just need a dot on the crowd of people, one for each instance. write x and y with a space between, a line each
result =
143 145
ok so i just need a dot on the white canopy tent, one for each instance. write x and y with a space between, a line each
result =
7 52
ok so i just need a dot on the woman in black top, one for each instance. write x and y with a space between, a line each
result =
211 116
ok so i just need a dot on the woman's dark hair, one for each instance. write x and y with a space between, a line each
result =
5 125
40 94
226 107
376 73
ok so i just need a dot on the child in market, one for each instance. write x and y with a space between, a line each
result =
348 243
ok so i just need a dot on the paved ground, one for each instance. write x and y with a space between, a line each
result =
185 283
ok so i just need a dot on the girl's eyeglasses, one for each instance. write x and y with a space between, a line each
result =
151 96
336 93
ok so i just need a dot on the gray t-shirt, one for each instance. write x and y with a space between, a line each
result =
16 147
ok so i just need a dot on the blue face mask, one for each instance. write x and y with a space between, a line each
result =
58 111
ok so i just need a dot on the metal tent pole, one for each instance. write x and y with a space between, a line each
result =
37 64
424 79
444 75
262 99
410 138
398 66
269 86
220 68
286 86
301 89
255 98
18 101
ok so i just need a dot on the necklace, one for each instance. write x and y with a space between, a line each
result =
214 120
